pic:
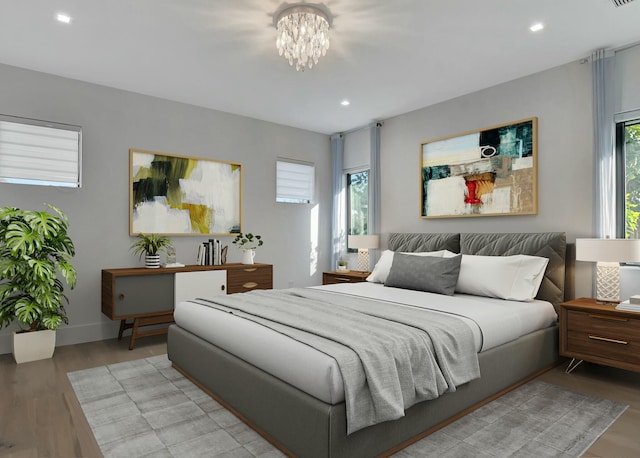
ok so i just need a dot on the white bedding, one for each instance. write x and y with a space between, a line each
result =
493 322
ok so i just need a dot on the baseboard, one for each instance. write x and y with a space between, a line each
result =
69 335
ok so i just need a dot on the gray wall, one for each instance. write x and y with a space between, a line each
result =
114 121
561 99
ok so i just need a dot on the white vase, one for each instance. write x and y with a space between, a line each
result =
33 345
248 255
152 261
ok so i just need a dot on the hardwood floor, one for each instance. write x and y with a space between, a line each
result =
40 415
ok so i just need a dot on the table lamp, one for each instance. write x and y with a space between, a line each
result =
608 254
363 243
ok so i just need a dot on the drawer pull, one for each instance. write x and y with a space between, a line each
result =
251 269
250 284
120 297
343 279
607 317
604 339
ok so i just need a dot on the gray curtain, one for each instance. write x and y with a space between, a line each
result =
374 189
602 62
338 223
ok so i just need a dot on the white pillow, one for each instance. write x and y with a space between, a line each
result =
383 266
515 277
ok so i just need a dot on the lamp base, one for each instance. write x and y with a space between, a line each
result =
363 259
608 282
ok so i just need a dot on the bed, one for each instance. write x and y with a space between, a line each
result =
303 424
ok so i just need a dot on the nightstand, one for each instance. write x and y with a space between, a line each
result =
599 333
337 276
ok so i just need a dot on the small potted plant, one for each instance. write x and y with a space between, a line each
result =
343 265
151 245
248 244
35 254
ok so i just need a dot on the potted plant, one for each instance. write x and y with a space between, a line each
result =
343 265
151 245
248 244
35 254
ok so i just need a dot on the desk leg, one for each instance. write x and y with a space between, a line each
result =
123 327
134 333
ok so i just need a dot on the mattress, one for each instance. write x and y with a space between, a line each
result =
492 321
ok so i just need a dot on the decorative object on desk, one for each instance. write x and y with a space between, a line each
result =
248 244
171 258
248 255
151 245
35 255
481 173
172 194
210 253
363 243
223 254
608 254
342 265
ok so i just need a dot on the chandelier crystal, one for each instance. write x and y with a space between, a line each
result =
303 35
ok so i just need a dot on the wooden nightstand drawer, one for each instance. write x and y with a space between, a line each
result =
604 346
352 276
603 324
253 276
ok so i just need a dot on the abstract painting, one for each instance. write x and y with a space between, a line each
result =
481 173
178 195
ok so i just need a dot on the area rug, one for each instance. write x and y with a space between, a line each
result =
147 408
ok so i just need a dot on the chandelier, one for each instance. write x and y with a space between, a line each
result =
303 35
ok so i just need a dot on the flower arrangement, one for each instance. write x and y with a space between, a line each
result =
248 241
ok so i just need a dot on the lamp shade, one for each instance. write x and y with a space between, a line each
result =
608 250
363 241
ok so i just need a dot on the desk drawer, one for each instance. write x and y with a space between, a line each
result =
249 278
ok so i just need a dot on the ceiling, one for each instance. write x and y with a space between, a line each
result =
386 57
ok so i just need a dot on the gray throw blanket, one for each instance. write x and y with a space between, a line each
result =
390 356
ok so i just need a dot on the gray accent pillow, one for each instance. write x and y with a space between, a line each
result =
424 273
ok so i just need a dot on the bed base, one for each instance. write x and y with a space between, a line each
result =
301 425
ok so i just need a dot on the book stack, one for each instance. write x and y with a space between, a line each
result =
632 305
210 253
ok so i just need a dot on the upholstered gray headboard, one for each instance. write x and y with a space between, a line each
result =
552 245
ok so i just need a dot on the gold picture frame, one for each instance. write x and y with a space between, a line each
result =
171 194
488 172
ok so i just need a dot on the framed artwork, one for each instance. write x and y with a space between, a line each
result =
178 195
481 173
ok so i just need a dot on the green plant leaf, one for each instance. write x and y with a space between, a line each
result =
35 250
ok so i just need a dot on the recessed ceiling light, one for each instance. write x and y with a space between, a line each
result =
63 18
345 103
536 27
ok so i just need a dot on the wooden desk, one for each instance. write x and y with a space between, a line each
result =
147 296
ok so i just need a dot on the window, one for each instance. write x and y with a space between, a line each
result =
39 152
358 202
628 179
295 182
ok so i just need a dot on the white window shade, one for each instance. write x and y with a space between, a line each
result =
294 182
39 152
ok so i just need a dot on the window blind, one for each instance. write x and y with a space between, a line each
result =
39 152
294 182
